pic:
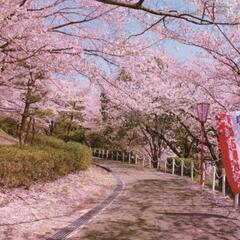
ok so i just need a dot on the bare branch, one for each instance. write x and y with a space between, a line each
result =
170 14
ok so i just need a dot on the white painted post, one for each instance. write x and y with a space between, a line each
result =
123 156
214 179
117 156
192 170
107 154
236 200
136 160
173 166
165 166
158 163
150 163
182 167
143 162
223 182
129 158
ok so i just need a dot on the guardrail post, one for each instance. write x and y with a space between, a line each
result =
107 154
158 163
214 179
136 160
182 167
173 166
129 158
192 170
165 166
236 200
223 182
123 156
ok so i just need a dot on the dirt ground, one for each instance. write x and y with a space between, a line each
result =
158 206
42 210
6 139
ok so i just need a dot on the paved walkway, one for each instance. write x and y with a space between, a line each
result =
160 206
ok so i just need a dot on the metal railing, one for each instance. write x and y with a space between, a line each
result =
210 172
116 155
171 166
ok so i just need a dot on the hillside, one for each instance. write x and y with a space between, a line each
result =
6 139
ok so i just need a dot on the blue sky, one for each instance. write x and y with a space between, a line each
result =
180 51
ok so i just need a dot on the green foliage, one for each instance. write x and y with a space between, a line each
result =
78 136
48 159
97 140
69 121
47 141
9 125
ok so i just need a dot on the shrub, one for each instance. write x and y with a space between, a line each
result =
9 125
47 141
48 159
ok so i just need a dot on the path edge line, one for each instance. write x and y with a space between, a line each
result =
77 224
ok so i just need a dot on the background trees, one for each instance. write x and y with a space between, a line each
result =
145 93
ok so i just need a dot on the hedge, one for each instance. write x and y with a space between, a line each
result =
46 160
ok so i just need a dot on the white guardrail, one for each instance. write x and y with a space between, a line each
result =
172 167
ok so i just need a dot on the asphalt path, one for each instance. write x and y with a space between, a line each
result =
155 205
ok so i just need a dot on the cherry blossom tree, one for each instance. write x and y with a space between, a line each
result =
42 43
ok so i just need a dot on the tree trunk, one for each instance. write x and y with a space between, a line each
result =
26 111
23 124
28 130
33 130
51 127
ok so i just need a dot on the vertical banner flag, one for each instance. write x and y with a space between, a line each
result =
228 127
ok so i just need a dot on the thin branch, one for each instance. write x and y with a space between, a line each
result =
171 14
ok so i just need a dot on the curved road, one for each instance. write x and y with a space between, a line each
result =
158 206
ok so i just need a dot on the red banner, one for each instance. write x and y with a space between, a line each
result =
228 126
